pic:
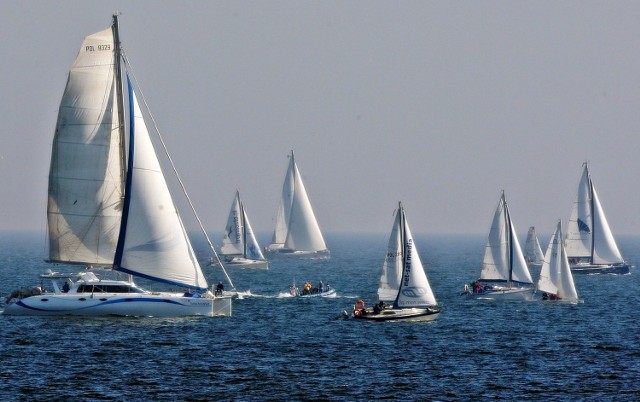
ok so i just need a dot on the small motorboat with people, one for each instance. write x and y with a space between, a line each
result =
309 290
504 273
404 293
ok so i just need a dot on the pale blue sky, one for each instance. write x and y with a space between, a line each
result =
438 104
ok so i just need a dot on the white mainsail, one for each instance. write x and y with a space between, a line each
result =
392 266
588 233
86 180
503 258
532 250
296 226
414 290
555 274
239 238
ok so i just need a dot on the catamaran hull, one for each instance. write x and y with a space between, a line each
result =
619 269
405 314
140 305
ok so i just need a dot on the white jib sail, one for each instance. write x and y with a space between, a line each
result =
532 250
156 243
252 248
605 250
303 232
415 290
502 251
233 240
392 265
85 179
555 274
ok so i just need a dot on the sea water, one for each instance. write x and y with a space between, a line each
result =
277 347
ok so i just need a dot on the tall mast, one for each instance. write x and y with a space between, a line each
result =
119 91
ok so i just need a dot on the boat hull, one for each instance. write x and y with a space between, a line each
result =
140 305
246 263
619 269
503 293
405 314
321 254
322 294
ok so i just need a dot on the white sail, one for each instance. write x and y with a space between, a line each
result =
238 238
588 233
532 250
296 217
86 180
503 258
555 274
155 243
415 290
392 266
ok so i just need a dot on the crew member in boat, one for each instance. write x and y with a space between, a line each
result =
307 288
320 287
219 288
377 309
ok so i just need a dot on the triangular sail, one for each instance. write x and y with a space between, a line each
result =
555 274
392 266
284 208
588 233
239 238
304 232
415 290
532 250
503 258
86 180
153 241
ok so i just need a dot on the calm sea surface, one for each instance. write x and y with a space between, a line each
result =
281 348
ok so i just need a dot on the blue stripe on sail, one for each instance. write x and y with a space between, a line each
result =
583 227
127 191
153 278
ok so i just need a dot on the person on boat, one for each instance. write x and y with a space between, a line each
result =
545 296
307 288
377 309
478 287
320 287
65 287
219 288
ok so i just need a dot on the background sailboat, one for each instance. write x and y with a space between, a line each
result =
590 244
403 281
532 250
110 206
239 245
556 280
504 271
296 231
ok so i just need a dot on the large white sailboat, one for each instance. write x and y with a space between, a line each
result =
240 248
590 244
296 231
532 250
504 273
404 293
109 206
556 280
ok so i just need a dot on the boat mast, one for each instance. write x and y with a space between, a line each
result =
244 228
119 92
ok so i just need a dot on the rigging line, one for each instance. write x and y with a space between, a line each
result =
175 171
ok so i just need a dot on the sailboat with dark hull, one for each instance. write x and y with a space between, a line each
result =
109 206
590 245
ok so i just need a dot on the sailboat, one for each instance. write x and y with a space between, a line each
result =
109 206
296 231
239 245
556 280
532 250
504 273
404 293
590 244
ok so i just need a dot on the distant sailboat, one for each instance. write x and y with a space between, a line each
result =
109 206
504 271
404 293
296 231
239 245
556 280
532 250
590 244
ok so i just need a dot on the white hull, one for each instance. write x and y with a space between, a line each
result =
239 262
321 254
590 269
323 294
503 293
130 304
405 314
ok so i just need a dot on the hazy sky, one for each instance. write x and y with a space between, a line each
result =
438 104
